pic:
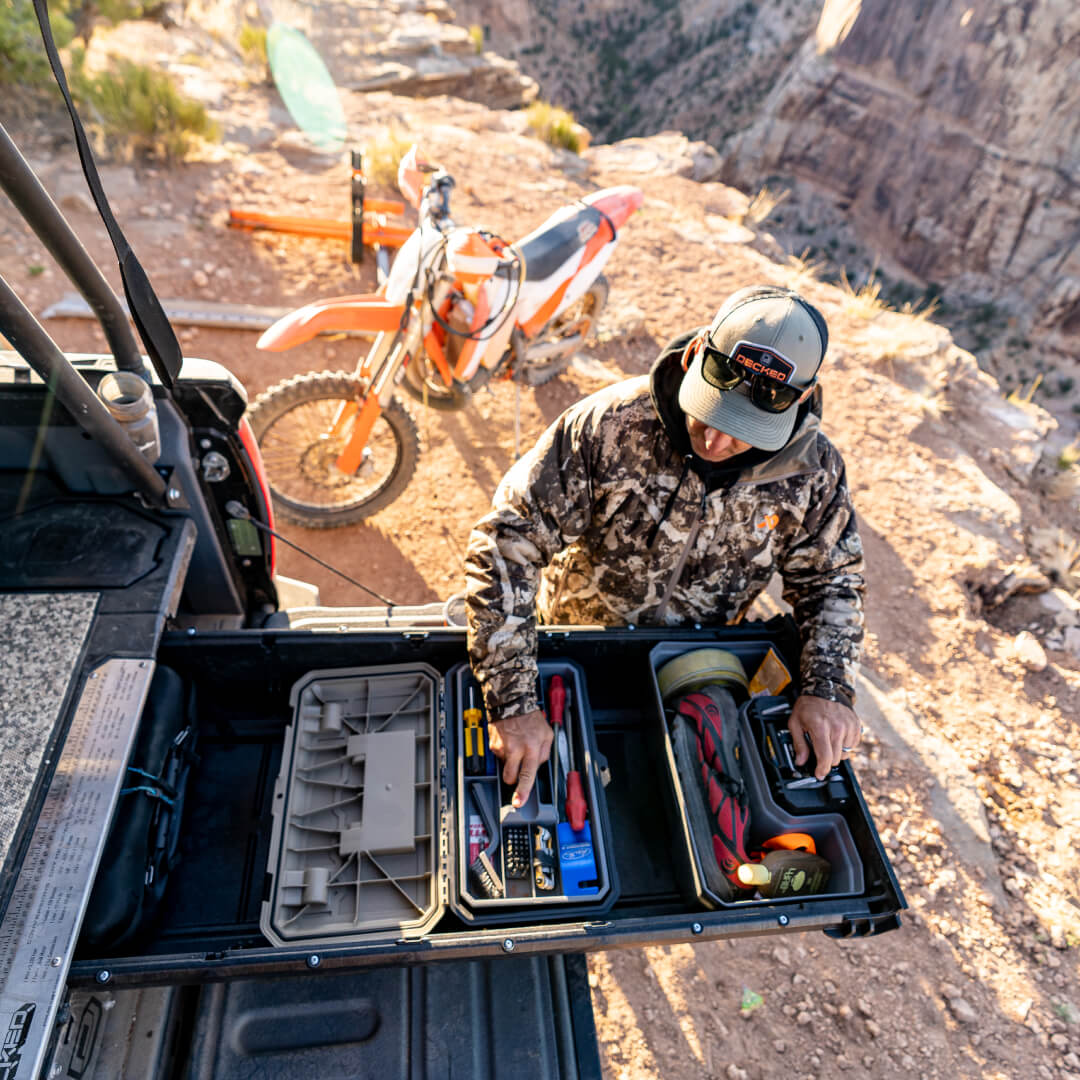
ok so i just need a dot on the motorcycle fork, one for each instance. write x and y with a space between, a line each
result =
399 350
347 410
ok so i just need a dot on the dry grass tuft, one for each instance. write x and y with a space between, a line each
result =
933 404
865 302
763 204
252 43
1022 397
920 311
1058 554
1070 456
805 267
140 112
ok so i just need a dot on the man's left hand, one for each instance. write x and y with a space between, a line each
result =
833 728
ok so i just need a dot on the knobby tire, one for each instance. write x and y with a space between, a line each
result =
291 422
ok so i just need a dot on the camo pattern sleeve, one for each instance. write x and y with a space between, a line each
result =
823 579
542 504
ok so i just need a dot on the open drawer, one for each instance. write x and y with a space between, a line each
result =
386 811
209 921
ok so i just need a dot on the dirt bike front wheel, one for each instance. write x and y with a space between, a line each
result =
293 424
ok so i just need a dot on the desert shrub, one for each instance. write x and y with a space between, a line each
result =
555 126
382 155
252 44
476 36
22 54
140 112
119 10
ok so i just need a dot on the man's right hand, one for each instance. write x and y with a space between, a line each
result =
523 743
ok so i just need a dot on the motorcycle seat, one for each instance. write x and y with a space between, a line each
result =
546 249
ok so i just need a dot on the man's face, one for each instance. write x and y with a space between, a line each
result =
712 445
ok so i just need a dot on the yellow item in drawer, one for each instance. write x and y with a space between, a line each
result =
771 676
698 668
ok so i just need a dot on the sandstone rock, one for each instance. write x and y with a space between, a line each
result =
667 153
962 1010
439 8
489 79
1029 652
1058 601
1072 641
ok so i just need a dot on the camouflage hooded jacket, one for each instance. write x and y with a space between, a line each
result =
610 519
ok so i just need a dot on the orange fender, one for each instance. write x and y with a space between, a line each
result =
367 313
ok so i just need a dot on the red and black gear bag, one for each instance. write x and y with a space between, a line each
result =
719 753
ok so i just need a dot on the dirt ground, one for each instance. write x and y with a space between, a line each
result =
981 981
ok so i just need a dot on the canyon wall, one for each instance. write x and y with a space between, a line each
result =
949 131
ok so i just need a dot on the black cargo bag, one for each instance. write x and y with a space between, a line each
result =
142 846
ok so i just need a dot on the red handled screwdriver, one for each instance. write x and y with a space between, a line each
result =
575 796
556 704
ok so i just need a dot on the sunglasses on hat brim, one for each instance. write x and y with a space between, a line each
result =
762 372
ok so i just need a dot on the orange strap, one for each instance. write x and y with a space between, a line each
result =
791 841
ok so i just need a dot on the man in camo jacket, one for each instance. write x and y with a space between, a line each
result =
671 499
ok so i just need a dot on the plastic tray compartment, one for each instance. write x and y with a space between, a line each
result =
830 831
540 810
356 843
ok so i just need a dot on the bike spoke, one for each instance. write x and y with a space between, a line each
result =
300 455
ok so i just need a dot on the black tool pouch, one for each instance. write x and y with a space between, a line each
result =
143 842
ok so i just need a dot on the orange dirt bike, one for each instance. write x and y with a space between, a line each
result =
459 307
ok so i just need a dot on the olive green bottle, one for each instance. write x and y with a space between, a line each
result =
786 873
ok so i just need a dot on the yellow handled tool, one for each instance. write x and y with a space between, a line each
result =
475 763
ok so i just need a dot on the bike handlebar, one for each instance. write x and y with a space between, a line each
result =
438 193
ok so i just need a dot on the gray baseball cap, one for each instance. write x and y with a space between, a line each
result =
769 330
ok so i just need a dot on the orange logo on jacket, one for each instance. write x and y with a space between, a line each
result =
768 522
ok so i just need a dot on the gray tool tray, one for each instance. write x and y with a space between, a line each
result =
369 818
543 808
830 831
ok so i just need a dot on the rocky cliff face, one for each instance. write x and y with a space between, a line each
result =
949 131
696 66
